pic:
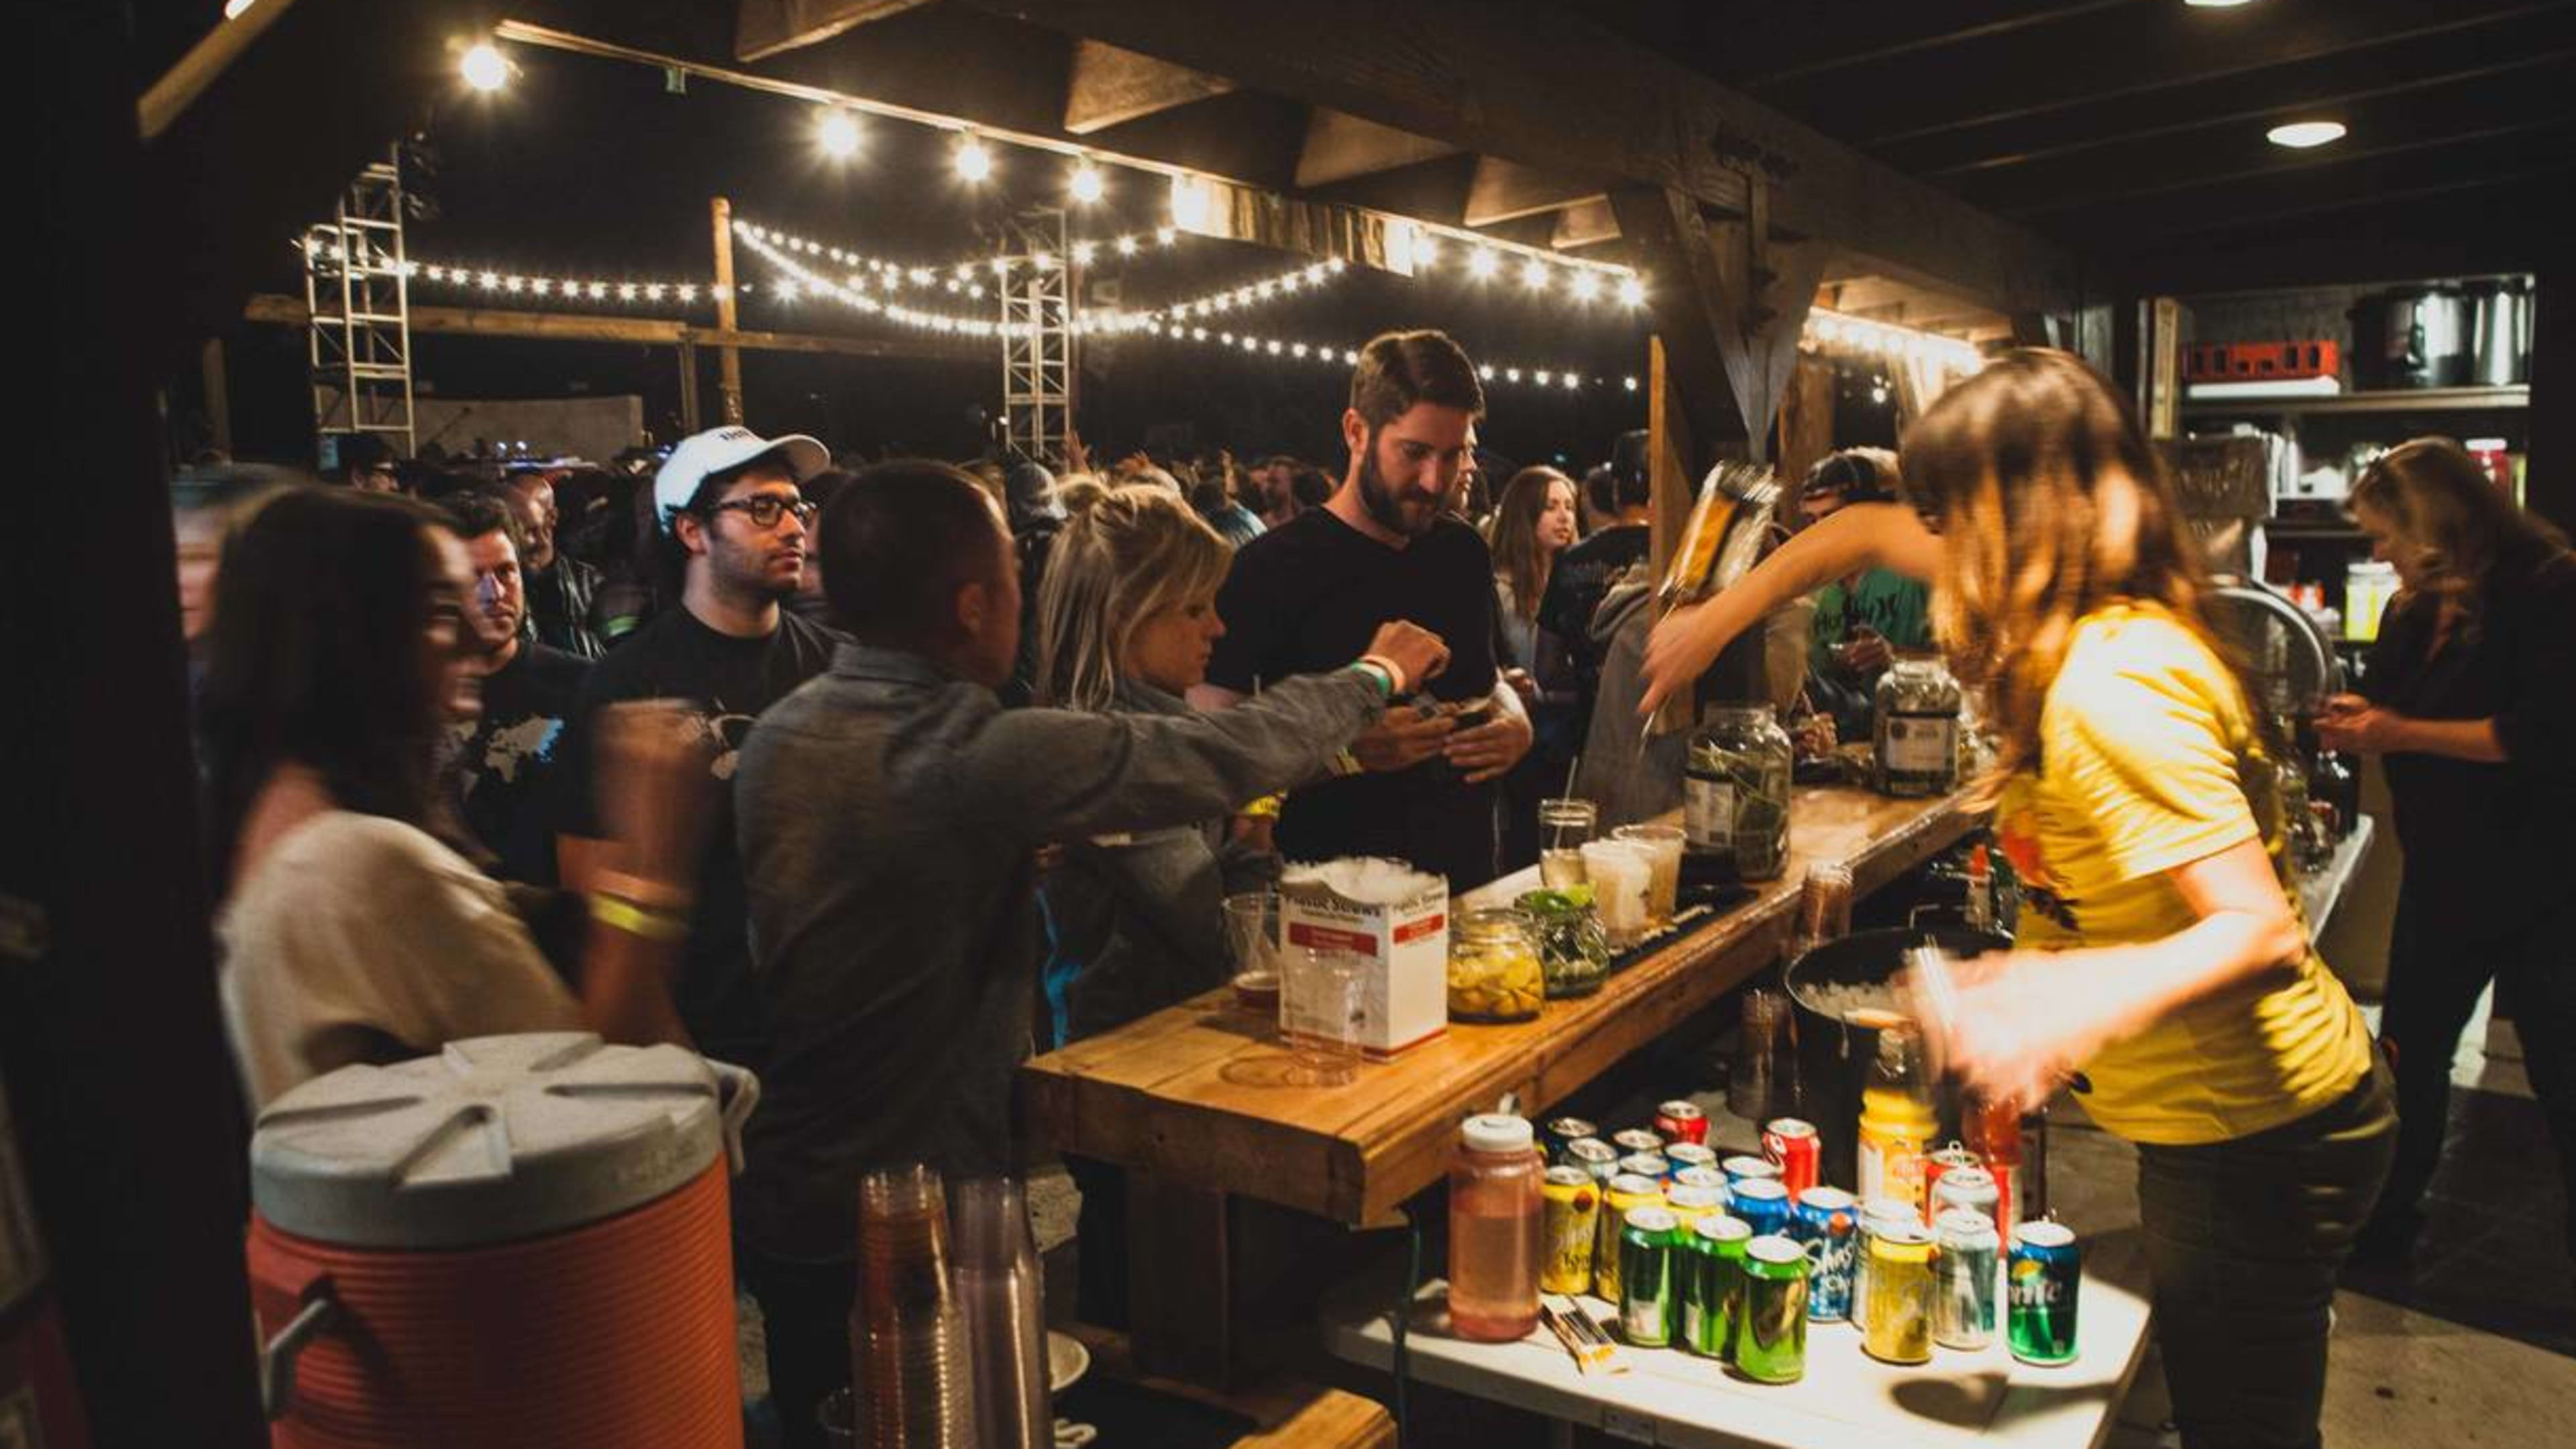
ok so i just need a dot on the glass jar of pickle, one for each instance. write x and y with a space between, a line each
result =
1494 968
1573 951
1735 791
1917 727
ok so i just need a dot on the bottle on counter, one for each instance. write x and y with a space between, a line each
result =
1896 1119
1735 791
1497 1237
1915 727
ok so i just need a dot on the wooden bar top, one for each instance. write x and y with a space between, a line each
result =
1202 1092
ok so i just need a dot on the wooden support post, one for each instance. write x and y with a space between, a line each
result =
219 404
689 423
1179 1297
728 360
1806 431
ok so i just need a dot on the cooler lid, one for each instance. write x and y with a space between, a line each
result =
495 1138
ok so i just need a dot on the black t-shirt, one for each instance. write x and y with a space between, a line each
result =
730 681
506 759
1308 596
1583 575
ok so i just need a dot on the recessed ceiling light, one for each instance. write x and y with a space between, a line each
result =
2300 135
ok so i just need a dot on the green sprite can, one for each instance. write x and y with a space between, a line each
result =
1771 1332
1712 1271
1649 1301
2041 1274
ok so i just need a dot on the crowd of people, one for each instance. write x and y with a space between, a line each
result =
874 781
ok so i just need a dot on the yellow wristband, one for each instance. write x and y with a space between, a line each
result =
635 920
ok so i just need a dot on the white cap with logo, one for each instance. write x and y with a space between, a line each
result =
718 450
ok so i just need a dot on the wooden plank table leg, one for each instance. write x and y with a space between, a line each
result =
1179 1287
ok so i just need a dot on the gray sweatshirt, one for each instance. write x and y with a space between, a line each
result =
887 817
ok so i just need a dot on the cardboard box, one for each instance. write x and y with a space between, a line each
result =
1394 922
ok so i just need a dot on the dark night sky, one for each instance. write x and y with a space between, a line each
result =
590 167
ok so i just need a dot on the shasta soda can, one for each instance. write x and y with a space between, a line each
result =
1649 1298
1594 1156
1745 1167
1965 1270
1899 1317
1681 1121
1564 1132
1875 1215
1940 1162
1712 1266
1685 1155
1764 1203
2041 1277
1708 1177
1771 1331
1647 1164
1624 1195
1793 1147
1635 1140
1690 1204
1573 1210
1827 1220
1973 1188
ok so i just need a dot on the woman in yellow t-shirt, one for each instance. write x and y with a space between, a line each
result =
2162 960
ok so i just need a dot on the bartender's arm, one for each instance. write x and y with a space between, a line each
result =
2353 723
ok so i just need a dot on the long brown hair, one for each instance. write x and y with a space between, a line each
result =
1517 554
2443 503
2051 505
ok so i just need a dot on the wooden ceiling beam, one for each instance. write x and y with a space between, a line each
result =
1588 223
1505 190
763 28
1482 77
1340 147
1109 86
283 311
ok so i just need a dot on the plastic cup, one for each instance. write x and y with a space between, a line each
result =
1622 876
1320 1012
1564 828
1252 930
1663 845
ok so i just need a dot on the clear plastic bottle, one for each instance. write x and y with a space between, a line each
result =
1896 1119
1496 1241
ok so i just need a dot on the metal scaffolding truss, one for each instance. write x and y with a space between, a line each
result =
357 293
1037 339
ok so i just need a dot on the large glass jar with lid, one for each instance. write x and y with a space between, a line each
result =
1495 973
1917 729
1735 791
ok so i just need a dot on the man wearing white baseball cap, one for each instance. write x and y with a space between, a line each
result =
735 536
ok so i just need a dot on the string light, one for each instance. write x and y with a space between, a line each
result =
801 279
1632 292
1314 274
484 67
542 286
1534 274
1482 263
1085 185
1830 331
836 133
974 161
1555 380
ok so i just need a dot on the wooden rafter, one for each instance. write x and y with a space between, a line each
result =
1340 147
1108 86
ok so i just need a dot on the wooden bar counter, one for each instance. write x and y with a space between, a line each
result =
1202 1094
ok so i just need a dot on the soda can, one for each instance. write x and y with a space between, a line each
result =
1594 1156
1690 1204
1712 1265
1747 1167
1624 1195
1965 1269
1899 1325
1793 1147
1764 1203
1649 1301
1827 1221
1973 1188
1940 1162
1708 1177
1681 1121
2041 1277
1636 1140
1875 1215
1564 1132
1647 1164
1771 1331
1572 1208
1686 1155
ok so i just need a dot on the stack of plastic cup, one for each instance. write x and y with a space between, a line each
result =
997 1280
912 1376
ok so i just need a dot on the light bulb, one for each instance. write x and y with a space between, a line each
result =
1534 273
1631 291
485 68
1086 184
1482 263
974 162
1166 235
1585 286
837 134
2301 135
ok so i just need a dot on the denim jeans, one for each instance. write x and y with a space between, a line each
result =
2244 1240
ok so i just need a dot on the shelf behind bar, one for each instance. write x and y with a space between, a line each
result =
2396 400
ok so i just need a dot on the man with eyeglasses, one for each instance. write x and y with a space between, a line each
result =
736 532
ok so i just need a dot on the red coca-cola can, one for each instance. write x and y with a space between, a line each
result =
1793 1147
1940 1161
1679 1121
1994 1133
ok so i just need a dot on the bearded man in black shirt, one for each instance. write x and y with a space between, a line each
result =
1307 596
